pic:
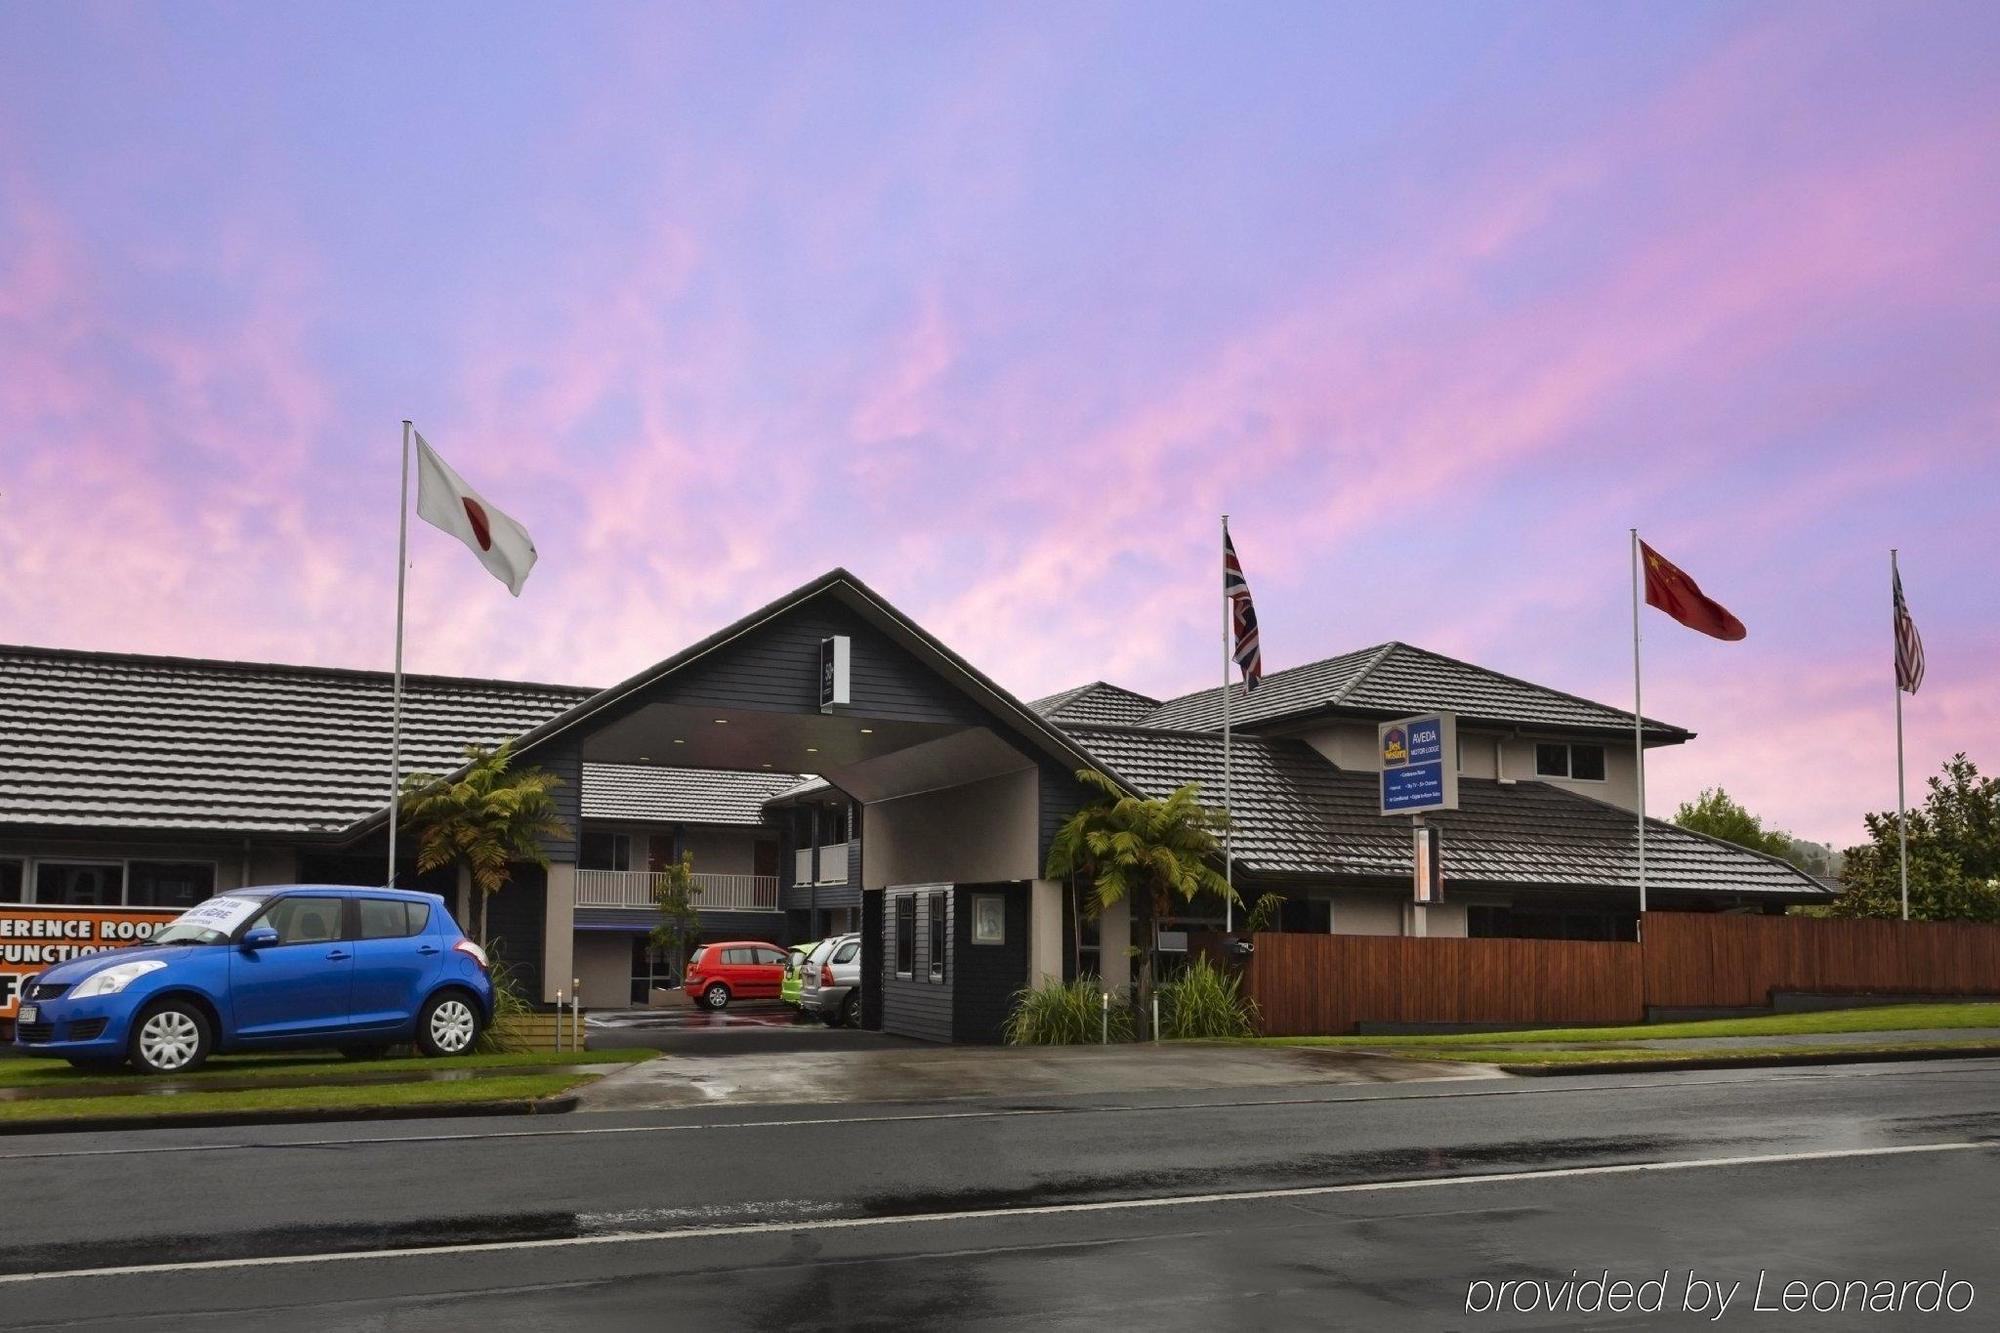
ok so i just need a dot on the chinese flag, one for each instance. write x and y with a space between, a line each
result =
1670 589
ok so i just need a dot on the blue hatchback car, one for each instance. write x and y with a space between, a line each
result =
302 965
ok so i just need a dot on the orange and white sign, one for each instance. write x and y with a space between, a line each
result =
34 939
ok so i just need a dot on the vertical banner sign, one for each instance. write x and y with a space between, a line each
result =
1419 764
834 660
1429 850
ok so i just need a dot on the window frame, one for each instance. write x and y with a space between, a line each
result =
937 922
131 862
413 928
621 849
117 863
906 940
1568 750
342 930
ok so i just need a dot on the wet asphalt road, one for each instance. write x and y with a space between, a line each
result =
971 1213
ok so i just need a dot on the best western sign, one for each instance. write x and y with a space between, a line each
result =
34 939
1419 764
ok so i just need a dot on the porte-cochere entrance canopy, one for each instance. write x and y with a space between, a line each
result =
956 781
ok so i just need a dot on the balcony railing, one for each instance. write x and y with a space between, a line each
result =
719 893
832 864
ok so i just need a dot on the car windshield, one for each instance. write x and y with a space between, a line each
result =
212 922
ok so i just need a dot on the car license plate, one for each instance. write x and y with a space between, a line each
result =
28 1014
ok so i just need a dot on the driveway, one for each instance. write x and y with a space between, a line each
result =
869 1067
753 1027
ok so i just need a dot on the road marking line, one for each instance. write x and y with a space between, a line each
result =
1597 1085
979 1214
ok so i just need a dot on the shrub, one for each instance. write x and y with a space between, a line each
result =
1205 1001
509 1003
1059 1013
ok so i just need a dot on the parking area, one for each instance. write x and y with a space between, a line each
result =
835 1067
747 1027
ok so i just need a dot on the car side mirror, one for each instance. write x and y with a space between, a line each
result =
260 937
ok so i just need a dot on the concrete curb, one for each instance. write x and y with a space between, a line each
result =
1750 1062
556 1105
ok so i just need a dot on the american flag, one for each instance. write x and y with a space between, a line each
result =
1242 616
1909 644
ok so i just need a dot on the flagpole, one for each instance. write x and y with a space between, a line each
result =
1638 723
1902 804
396 707
1228 858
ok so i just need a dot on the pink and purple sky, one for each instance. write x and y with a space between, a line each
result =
999 307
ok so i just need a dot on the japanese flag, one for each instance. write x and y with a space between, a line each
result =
445 501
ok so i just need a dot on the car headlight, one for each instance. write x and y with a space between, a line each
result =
115 978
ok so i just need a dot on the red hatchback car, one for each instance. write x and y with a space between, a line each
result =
734 970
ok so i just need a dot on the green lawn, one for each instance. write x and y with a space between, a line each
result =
36 1072
502 1087
1885 1018
1511 1058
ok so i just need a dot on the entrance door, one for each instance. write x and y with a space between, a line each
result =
764 855
659 852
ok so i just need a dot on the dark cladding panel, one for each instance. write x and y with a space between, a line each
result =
987 976
776 667
514 920
915 1005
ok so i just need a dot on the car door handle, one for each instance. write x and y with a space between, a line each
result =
337 955
427 949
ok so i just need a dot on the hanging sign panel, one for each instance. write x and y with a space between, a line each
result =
1419 764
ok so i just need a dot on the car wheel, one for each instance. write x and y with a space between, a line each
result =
363 1052
172 1037
448 1025
850 1011
716 996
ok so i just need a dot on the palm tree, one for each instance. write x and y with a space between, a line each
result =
1146 849
486 818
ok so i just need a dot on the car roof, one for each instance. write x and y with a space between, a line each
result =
743 944
333 890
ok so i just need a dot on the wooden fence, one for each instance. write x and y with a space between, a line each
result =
1693 959
1308 984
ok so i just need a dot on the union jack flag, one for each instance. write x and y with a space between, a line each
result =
1909 645
1242 616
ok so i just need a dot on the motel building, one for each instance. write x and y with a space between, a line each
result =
830 766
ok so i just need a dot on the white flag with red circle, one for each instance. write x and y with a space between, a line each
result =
445 501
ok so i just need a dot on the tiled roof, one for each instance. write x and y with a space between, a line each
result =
1095 704
1396 678
1296 813
687 795
113 740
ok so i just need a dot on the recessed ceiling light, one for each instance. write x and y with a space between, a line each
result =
868 731
645 759
812 749
767 765
720 720
679 741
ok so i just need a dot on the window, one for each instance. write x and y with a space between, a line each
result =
652 969
75 884
10 881
303 920
1586 763
1578 763
769 957
845 953
386 919
604 850
835 827
169 883
738 957
906 935
938 917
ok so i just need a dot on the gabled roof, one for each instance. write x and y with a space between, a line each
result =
1098 703
1297 814
680 795
1392 679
